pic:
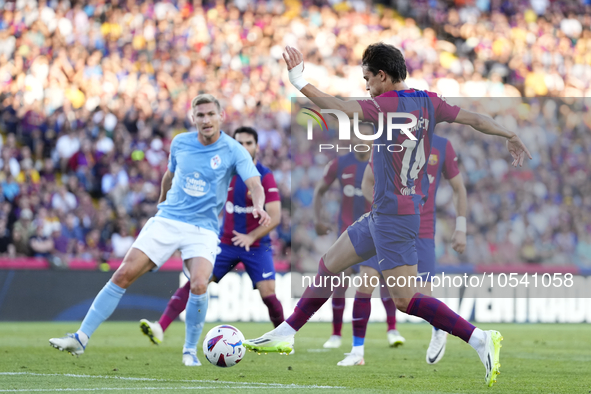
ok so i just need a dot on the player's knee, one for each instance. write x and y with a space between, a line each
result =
266 288
122 278
199 286
365 289
402 304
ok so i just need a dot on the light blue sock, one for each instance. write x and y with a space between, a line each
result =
103 306
358 341
194 319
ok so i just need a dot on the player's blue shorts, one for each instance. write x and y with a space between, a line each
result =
426 252
372 262
258 262
392 238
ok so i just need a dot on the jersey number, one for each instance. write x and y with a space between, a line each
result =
410 146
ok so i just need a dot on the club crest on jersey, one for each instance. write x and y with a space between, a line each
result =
433 159
215 161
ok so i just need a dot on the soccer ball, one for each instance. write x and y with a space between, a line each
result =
223 346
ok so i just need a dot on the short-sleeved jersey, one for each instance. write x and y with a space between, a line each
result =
442 161
401 183
349 171
238 213
201 178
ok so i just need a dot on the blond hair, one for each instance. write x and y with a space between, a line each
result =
204 99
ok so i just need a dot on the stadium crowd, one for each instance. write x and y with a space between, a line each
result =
92 93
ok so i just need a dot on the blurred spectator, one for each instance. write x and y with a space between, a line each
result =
121 242
72 230
115 183
6 245
23 229
63 200
40 244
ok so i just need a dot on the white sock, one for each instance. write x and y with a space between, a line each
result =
284 330
83 338
185 350
358 350
478 340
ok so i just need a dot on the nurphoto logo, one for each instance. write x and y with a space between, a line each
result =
344 125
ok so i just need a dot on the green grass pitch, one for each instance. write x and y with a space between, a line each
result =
535 359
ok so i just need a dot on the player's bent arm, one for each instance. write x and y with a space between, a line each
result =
319 192
367 184
165 186
460 196
256 190
258 199
295 66
273 208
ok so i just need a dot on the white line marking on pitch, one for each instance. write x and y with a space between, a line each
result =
249 384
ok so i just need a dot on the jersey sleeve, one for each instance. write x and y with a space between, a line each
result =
330 171
271 189
171 156
450 166
243 164
370 110
443 111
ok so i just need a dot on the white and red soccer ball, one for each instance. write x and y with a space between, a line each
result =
223 346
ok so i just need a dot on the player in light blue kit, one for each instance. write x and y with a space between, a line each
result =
194 189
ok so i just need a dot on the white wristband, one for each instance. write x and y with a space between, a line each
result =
461 224
296 76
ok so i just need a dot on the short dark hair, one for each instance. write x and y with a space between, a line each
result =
385 57
247 130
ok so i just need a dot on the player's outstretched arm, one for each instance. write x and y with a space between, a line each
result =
487 125
295 66
460 199
258 199
367 184
165 185
319 192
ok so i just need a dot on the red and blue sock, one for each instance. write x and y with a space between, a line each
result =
440 316
275 309
338 307
361 312
176 305
389 305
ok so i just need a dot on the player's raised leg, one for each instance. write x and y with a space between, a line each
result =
339 257
135 264
200 270
176 305
486 343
